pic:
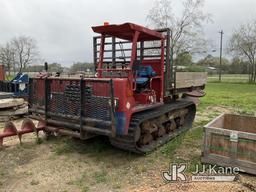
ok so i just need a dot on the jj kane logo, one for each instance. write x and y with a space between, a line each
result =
176 173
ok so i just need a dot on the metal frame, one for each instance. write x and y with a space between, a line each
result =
170 70
80 122
13 87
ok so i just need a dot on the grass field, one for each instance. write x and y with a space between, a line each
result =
64 164
240 97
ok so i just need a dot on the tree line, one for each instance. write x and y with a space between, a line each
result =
235 65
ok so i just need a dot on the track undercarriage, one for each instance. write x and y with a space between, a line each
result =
151 129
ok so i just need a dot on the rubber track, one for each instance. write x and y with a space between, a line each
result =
128 142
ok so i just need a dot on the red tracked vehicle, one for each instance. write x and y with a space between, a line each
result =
133 99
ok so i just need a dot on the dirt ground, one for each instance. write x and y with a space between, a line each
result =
64 164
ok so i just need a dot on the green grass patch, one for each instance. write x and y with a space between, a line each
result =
85 189
169 149
9 77
90 178
69 145
2 176
241 97
81 182
188 139
179 149
100 176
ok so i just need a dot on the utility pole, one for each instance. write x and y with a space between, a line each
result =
221 38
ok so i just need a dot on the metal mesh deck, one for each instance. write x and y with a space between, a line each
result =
86 98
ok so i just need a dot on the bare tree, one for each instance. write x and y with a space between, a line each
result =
186 29
25 50
7 57
243 44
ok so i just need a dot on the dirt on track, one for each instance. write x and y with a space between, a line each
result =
64 164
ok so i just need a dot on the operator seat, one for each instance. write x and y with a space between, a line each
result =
144 74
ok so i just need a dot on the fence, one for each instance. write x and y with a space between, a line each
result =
229 78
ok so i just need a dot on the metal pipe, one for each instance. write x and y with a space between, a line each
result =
129 49
113 52
112 109
77 127
95 52
72 117
168 65
221 38
63 131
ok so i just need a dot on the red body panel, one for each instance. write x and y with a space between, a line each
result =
127 31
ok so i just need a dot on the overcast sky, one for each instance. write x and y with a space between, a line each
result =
62 28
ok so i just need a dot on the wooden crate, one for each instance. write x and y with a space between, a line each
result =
230 140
